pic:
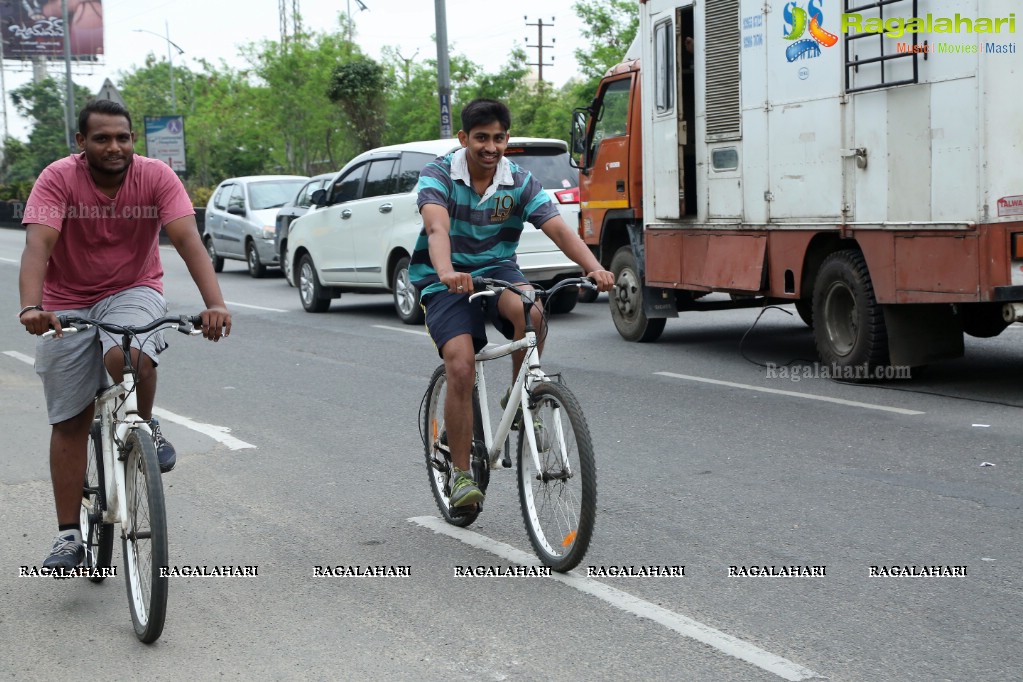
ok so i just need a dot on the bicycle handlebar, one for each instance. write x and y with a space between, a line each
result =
186 324
481 284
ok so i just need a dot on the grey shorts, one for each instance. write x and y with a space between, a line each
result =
72 367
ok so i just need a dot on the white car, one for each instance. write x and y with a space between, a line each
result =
362 237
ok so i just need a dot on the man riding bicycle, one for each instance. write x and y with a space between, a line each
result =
474 203
92 249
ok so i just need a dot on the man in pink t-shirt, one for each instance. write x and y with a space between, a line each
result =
92 249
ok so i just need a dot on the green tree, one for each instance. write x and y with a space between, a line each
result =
43 104
609 27
297 77
358 87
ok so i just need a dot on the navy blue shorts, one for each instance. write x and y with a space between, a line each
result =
449 314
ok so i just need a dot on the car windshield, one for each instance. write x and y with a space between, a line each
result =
273 193
549 165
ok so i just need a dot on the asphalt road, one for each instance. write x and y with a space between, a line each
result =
704 460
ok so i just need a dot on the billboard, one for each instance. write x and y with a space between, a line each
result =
35 28
165 140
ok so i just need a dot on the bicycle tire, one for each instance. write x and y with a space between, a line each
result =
438 461
98 536
559 513
144 537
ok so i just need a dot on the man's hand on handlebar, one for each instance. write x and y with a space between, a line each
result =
216 322
604 279
457 282
39 322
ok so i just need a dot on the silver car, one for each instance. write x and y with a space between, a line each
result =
240 219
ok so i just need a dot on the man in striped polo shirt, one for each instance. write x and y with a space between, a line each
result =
474 203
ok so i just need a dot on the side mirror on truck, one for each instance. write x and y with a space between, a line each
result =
578 140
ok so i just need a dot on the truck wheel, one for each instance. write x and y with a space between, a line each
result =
804 308
848 323
627 301
982 320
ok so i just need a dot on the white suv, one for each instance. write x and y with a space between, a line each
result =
361 238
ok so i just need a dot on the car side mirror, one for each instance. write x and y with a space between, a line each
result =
319 197
236 210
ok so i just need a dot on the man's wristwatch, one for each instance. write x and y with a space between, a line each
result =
28 308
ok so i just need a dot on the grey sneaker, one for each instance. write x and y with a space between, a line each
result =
464 490
68 552
164 450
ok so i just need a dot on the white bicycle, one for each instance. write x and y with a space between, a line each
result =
123 484
557 475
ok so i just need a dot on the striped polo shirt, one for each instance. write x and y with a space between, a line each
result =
484 230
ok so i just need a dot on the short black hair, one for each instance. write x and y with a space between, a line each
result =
101 106
481 112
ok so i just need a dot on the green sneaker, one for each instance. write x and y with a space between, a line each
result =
517 421
464 490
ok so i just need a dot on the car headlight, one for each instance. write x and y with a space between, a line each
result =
269 231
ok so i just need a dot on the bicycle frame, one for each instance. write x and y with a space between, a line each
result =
529 375
117 420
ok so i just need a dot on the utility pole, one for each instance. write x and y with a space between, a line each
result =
350 22
70 104
443 69
540 46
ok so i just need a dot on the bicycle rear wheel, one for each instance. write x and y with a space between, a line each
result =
98 536
144 537
559 502
438 458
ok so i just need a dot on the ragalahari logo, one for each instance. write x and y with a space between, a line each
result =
810 20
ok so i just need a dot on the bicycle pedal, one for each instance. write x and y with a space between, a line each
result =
439 464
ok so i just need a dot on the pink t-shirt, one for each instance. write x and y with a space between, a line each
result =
106 245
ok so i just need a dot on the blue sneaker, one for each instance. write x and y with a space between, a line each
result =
164 450
68 552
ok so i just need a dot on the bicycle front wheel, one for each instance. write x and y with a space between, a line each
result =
559 501
98 536
144 537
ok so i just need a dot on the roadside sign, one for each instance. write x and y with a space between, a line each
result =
165 140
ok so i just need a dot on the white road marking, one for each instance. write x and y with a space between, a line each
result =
407 330
217 433
683 625
793 394
27 359
254 307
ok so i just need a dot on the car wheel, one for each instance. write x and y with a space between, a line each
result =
406 296
564 301
287 266
310 291
256 267
218 262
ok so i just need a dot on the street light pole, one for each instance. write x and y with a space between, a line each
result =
69 117
170 59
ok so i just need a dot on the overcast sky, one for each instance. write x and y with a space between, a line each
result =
484 30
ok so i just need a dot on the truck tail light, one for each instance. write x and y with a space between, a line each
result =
571 196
